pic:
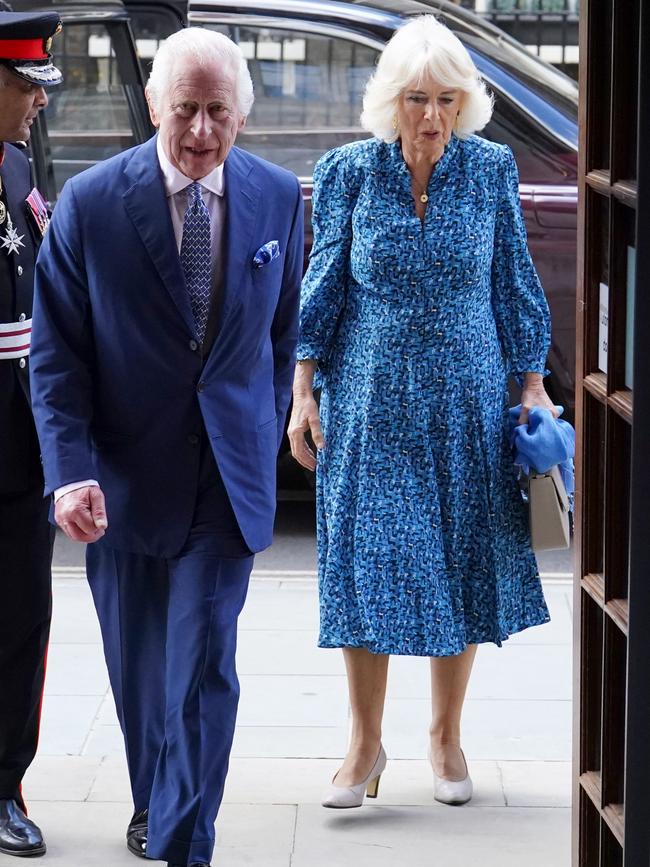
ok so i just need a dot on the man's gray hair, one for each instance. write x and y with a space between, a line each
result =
201 46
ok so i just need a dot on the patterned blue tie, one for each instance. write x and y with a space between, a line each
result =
195 256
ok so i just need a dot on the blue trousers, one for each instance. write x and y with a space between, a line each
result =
169 628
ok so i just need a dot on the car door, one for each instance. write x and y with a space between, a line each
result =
99 110
151 23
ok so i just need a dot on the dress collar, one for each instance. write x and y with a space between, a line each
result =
439 169
175 181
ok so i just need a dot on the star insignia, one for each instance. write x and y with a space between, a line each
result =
12 240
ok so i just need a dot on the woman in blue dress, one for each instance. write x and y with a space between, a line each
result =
420 300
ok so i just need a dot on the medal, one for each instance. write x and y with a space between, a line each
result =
37 210
3 212
12 240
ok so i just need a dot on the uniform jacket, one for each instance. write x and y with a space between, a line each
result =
120 391
19 453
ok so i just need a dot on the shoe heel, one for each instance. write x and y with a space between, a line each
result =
373 787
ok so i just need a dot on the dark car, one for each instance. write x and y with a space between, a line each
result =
100 110
310 60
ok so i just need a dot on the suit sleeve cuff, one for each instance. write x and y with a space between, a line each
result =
73 486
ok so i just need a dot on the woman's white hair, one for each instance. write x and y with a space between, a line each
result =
201 46
424 47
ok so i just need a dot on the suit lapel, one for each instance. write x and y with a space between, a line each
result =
146 204
242 199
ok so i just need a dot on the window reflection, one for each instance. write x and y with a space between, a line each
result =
87 116
308 91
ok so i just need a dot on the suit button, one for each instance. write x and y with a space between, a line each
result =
22 363
193 439
194 345
22 317
200 386
19 270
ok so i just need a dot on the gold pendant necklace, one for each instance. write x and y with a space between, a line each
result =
421 193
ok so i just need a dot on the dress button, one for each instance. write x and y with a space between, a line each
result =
22 363
22 317
19 270
200 386
194 345
193 439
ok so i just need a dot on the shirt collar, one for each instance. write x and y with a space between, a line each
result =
175 181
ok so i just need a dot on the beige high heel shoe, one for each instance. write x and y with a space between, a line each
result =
344 797
452 792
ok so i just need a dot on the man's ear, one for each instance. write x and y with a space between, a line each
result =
153 114
242 123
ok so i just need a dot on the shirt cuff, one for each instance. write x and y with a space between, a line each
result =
74 486
535 367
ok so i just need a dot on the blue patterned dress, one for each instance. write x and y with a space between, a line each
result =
423 538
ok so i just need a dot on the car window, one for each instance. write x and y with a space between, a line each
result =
541 159
547 82
308 90
88 116
308 93
151 25
517 90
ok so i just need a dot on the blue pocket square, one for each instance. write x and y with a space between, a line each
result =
266 253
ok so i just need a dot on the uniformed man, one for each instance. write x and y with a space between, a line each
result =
25 534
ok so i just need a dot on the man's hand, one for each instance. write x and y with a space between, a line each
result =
81 514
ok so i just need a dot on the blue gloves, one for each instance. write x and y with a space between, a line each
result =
542 443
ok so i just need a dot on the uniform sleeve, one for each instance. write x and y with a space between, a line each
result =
336 186
520 308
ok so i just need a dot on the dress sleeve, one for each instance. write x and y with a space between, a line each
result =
336 186
520 308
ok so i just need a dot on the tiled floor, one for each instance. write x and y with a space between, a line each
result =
292 731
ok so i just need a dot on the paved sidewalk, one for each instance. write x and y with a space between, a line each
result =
292 731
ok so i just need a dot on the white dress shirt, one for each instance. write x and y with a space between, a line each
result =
176 184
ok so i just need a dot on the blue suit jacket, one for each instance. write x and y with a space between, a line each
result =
119 394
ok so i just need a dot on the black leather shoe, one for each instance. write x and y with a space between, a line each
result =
193 864
18 834
136 833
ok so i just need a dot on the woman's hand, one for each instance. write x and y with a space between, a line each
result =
533 394
304 417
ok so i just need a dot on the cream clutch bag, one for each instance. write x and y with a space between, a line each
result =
548 505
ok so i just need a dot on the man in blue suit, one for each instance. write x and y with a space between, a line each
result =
164 332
